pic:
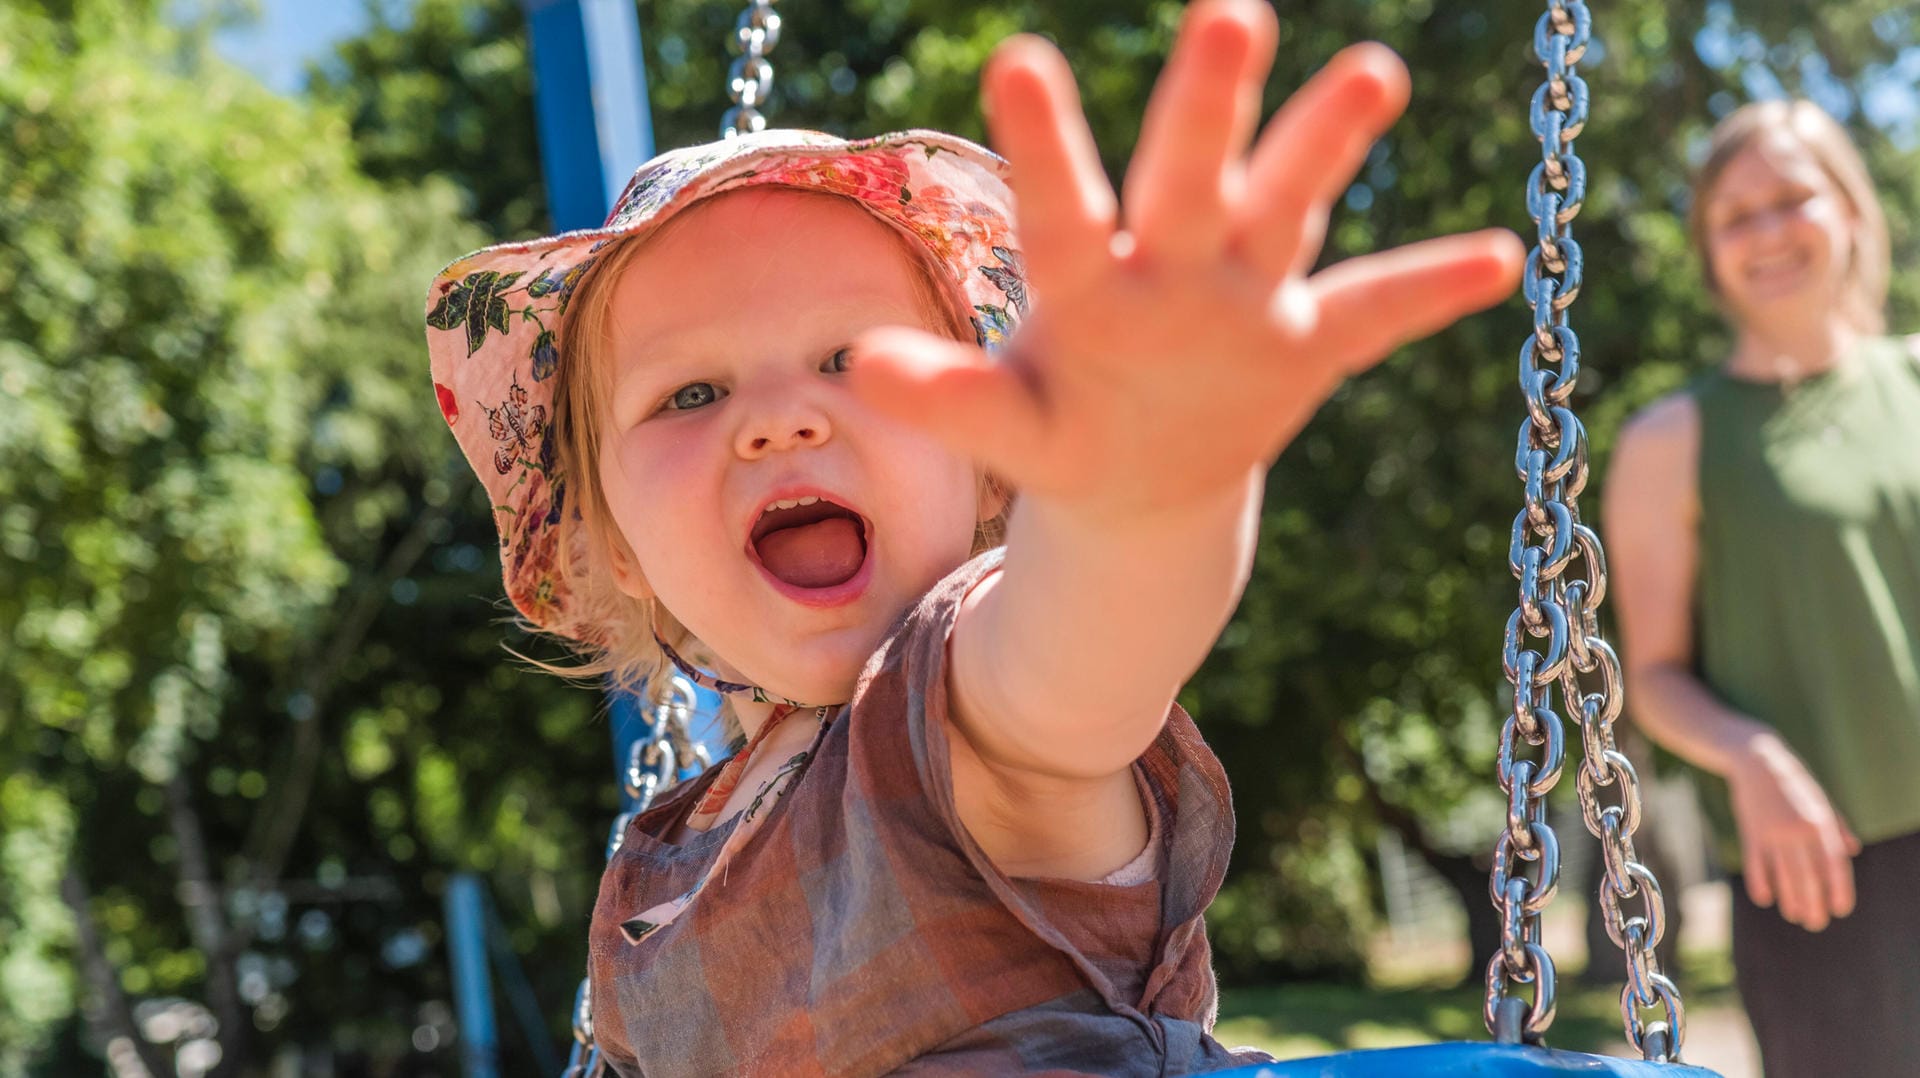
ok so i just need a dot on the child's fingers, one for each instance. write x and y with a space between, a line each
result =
954 392
1066 207
1309 153
1196 128
1368 306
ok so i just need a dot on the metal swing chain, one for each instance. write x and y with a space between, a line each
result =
750 78
653 767
1553 638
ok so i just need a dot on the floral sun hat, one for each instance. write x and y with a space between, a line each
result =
497 327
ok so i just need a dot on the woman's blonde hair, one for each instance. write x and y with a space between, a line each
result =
1869 263
622 650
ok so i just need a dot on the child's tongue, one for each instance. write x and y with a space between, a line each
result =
817 555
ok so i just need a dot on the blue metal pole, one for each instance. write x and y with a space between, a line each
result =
520 997
590 94
590 91
590 101
472 988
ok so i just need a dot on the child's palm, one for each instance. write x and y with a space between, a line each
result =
1176 342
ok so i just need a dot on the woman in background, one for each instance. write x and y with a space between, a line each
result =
1764 524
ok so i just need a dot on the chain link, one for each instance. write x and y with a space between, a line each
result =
1553 639
653 767
750 77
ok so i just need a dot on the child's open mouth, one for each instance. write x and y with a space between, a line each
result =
809 542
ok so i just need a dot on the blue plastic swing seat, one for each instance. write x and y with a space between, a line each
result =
1465 1060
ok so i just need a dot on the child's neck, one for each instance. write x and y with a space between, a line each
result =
753 715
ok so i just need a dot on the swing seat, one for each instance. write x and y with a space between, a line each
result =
1464 1059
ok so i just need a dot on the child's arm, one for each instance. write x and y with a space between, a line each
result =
1176 345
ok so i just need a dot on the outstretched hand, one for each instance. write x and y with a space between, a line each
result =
1176 339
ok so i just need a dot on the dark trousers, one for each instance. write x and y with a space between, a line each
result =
1846 1000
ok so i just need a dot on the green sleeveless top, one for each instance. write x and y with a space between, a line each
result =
1808 597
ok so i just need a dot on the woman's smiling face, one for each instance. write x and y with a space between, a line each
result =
1779 233
784 524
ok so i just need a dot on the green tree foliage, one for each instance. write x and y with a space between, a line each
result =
155 522
229 516
446 87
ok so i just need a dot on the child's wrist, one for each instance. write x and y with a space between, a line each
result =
1109 517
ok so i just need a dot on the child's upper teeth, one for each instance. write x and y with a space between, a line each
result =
791 503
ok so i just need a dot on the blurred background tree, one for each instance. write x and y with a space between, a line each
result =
225 523
253 707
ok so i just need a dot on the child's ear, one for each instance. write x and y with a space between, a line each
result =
627 575
994 498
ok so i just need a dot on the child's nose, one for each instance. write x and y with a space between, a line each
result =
790 425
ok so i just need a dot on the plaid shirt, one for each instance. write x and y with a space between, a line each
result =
863 932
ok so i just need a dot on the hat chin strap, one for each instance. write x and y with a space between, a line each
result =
722 686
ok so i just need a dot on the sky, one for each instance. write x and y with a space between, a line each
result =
288 34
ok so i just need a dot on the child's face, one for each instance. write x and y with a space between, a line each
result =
1778 233
727 395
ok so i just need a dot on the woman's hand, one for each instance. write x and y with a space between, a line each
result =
1177 340
1797 848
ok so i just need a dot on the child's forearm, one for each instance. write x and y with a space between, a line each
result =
1079 645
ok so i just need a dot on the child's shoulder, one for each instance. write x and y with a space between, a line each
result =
921 632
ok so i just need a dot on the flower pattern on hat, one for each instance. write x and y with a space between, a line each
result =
496 319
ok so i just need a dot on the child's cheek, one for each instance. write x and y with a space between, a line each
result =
671 479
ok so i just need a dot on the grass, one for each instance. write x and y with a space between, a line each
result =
1295 1020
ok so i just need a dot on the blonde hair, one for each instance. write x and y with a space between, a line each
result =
1870 263
614 639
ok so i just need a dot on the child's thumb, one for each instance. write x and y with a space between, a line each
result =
952 391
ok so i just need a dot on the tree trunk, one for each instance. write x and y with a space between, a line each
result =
1468 878
206 922
112 1016
278 822
1465 874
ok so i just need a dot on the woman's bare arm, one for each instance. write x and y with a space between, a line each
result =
1652 505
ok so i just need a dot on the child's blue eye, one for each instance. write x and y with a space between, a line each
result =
693 395
839 363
